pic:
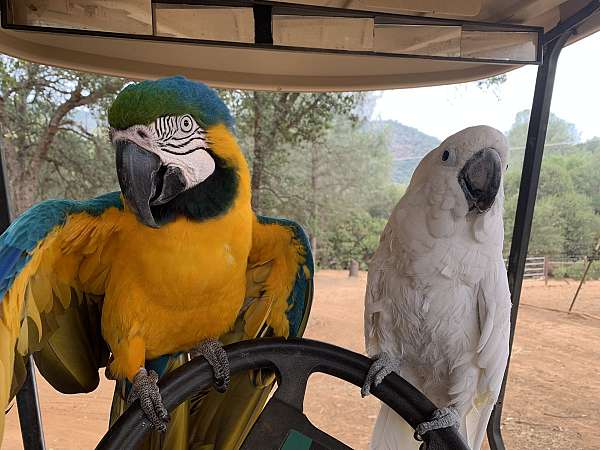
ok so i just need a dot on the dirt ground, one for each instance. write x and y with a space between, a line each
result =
553 395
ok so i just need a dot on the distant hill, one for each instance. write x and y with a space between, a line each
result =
408 145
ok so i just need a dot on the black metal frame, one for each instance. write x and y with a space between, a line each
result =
553 41
30 416
264 11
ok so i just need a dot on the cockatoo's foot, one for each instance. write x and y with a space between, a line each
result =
441 418
213 352
145 388
384 365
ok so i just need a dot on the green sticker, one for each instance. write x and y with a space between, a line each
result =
296 441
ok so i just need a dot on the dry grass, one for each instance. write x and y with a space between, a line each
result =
553 396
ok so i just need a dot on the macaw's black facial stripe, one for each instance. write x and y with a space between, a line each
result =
189 140
211 198
192 136
160 126
164 149
166 127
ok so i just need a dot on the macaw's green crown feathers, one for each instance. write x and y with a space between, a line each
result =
141 103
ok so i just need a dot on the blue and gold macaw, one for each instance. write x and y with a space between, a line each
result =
177 262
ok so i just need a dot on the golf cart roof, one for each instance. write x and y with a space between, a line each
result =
307 45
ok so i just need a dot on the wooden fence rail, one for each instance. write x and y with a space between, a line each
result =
536 267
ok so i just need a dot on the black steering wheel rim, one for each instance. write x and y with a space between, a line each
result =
294 360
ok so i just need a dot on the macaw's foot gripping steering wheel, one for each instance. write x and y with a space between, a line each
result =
282 425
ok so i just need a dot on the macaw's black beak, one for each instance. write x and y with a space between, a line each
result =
480 179
145 182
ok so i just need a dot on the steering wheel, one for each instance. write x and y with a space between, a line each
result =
282 425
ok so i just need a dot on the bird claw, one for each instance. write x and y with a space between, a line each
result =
212 350
383 365
145 389
441 418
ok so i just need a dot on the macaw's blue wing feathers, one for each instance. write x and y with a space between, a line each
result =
12 261
41 254
32 227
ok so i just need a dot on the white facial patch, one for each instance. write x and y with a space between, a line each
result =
178 141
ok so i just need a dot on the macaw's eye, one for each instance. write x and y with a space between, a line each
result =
186 124
445 155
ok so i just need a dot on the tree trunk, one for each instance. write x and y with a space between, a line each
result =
353 268
313 246
314 161
26 195
258 163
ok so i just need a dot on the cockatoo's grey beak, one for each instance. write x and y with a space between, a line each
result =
480 179
144 181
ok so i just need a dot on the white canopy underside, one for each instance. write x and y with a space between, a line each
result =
251 68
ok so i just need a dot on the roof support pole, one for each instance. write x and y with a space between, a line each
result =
532 163
27 398
30 417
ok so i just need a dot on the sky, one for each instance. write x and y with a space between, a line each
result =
443 110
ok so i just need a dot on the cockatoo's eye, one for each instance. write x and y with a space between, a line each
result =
449 157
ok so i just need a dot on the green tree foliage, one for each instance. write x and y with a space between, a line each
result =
315 160
583 165
48 148
272 125
567 214
560 134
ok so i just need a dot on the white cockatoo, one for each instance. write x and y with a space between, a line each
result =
437 306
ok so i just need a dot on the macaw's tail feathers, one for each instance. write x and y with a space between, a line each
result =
392 432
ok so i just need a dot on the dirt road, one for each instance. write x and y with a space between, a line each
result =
553 395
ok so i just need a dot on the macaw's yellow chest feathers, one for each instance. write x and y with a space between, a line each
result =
175 286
